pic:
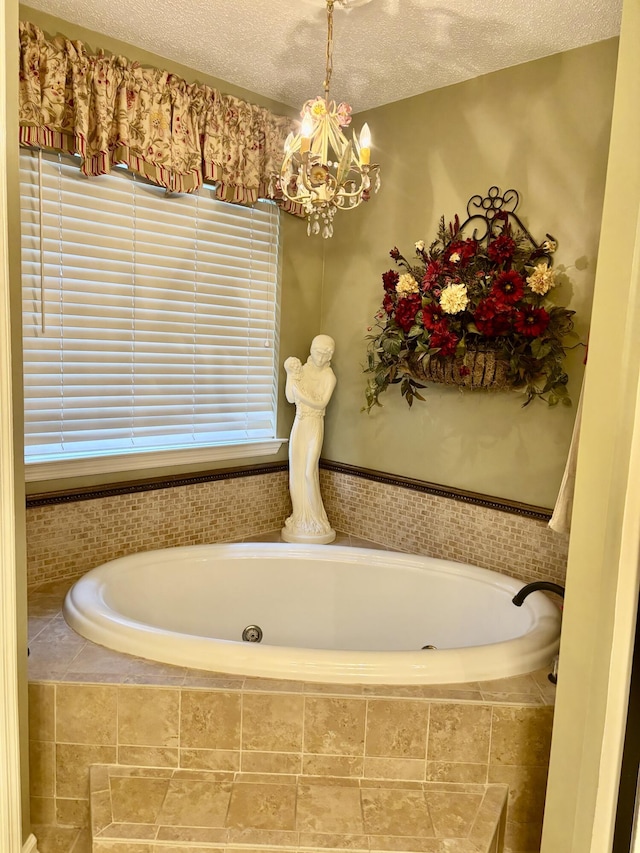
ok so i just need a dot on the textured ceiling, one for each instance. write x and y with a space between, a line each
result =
384 50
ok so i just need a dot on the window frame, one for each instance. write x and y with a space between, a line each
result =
117 460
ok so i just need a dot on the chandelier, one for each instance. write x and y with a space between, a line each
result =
323 171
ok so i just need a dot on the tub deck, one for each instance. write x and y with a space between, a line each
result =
365 753
57 653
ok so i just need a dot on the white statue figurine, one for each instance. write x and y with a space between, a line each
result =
310 387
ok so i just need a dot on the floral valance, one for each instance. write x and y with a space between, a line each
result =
110 110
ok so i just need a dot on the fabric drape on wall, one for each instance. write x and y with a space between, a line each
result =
110 110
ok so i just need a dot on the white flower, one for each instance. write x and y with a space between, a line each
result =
454 257
542 279
406 284
420 246
454 299
550 246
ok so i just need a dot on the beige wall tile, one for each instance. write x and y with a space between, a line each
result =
42 810
260 806
522 837
332 765
271 762
83 842
334 726
72 763
73 812
527 787
101 811
396 812
42 699
452 814
86 713
394 768
148 716
41 768
210 720
459 733
451 771
148 756
269 837
397 728
136 799
415 844
329 809
56 839
272 722
189 835
210 759
521 735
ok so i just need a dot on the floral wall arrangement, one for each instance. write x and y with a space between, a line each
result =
473 310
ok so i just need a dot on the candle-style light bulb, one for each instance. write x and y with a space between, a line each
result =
365 145
305 133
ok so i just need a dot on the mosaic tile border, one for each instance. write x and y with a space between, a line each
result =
70 533
475 498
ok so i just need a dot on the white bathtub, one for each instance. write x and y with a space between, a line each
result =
328 614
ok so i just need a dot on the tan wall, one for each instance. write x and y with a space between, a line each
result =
542 128
302 259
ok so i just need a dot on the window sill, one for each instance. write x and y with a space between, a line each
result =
113 463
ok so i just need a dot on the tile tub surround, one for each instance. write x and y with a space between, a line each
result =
65 540
217 810
90 705
422 523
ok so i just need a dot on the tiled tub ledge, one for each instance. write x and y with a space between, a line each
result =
169 809
92 706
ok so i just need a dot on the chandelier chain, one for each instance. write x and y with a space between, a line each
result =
329 65
322 170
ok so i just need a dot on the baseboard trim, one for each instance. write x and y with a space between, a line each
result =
30 845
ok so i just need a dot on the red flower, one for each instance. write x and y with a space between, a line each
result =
432 318
388 303
406 311
465 249
493 317
501 249
531 321
445 341
508 287
395 253
430 278
389 280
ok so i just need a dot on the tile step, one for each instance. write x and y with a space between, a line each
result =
151 810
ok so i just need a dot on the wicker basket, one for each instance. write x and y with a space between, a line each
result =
481 368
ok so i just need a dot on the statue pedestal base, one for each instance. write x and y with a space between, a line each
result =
288 535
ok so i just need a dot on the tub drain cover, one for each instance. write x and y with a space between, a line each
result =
252 634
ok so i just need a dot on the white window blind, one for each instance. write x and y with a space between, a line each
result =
150 322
